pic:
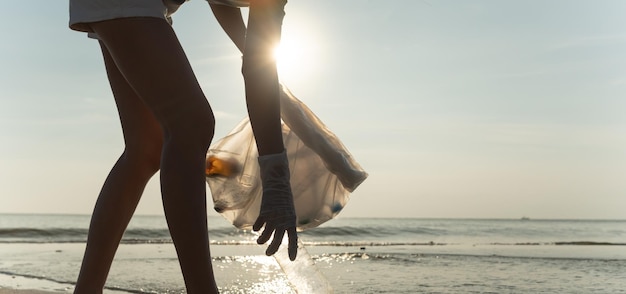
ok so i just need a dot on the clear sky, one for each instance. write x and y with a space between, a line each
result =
482 109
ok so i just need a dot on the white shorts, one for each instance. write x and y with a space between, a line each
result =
83 12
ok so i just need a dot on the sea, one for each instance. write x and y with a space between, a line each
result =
351 255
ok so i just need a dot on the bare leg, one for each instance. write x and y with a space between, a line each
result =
124 185
260 75
147 55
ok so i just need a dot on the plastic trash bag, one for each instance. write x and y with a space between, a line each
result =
323 172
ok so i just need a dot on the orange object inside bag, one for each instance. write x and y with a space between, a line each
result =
220 167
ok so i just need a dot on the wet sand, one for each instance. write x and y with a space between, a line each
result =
12 291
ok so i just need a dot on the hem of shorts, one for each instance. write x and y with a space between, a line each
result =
82 24
231 5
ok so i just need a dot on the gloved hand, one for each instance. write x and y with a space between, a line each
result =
277 213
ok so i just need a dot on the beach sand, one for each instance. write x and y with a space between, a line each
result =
13 291
51 267
20 285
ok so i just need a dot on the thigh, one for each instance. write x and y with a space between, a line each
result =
142 132
149 56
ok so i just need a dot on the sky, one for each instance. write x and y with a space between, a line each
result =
456 109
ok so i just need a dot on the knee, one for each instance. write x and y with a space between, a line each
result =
144 155
203 126
194 129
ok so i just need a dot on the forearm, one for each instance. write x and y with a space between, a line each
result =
231 21
264 27
260 76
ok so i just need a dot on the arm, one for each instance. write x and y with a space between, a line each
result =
277 212
231 21
256 42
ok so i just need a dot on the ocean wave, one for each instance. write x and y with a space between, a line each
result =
374 244
372 231
571 243
77 235
346 236
224 234
33 235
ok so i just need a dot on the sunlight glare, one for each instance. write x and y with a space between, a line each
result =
295 57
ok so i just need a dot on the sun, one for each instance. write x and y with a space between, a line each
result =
295 57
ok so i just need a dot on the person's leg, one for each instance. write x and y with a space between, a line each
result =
260 75
148 55
124 185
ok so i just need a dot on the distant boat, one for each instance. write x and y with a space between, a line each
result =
525 218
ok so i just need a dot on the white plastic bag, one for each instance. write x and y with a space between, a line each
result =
323 172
